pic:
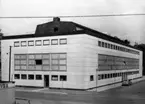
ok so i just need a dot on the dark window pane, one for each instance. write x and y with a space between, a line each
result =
38 77
54 77
23 76
31 76
17 76
63 77
38 62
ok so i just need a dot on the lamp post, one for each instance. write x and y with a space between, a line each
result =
10 48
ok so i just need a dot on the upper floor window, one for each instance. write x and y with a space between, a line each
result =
99 43
23 43
16 44
38 42
46 42
31 43
63 41
54 41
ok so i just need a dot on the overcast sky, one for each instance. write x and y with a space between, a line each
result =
129 27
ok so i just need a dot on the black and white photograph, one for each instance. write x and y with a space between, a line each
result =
72 51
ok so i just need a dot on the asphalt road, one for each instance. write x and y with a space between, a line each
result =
134 94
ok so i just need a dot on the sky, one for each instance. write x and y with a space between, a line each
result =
127 27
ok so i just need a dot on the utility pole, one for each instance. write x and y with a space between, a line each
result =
10 63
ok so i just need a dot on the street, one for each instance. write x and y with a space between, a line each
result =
134 94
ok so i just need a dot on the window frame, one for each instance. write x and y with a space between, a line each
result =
22 44
47 41
16 75
30 75
56 76
38 78
23 76
36 44
18 44
30 41
91 77
54 40
64 77
61 40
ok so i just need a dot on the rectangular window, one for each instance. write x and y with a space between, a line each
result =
54 42
109 46
31 43
38 77
16 44
63 41
31 76
38 62
38 42
99 43
46 42
91 78
54 77
63 78
23 43
105 45
23 76
17 76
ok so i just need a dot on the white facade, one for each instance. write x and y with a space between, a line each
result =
81 65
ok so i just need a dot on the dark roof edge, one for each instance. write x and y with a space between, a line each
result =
104 36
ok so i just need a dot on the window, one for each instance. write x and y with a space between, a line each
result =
99 43
46 42
54 41
108 45
105 45
63 41
17 76
38 77
38 42
63 77
54 77
91 78
23 76
99 77
38 62
31 76
23 43
16 44
55 29
31 43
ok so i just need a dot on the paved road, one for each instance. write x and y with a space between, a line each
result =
134 94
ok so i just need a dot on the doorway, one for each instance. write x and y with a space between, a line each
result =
124 77
46 80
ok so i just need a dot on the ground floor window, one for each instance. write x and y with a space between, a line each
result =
91 78
31 76
38 77
63 78
54 77
17 76
23 76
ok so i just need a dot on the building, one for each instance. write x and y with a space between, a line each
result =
67 55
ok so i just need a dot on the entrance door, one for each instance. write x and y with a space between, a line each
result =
124 77
46 80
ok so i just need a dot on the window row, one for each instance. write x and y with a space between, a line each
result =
40 42
53 61
108 62
39 77
113 75
115 47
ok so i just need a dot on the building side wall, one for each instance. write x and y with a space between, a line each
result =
75 62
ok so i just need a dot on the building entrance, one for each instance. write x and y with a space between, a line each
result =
46 80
